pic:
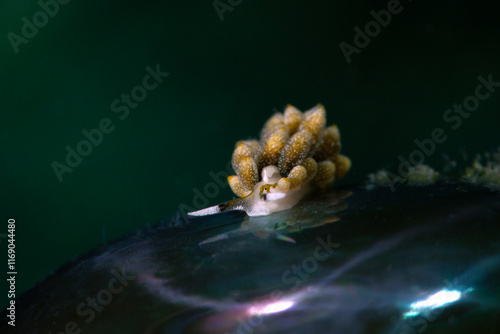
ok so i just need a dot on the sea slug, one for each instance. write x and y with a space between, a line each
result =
296 154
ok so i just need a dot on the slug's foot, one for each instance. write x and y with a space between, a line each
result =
312 212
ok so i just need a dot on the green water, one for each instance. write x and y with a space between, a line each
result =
225 79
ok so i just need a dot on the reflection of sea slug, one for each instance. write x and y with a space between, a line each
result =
295 154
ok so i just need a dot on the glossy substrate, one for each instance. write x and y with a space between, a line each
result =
354 260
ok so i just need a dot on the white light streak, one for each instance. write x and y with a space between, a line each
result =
434 301
271 308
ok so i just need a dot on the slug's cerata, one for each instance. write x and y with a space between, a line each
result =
296 154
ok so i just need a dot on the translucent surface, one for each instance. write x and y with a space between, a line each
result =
355 260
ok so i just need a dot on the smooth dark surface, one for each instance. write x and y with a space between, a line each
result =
226 79
359 274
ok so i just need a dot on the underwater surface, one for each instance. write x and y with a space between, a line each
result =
359 259
117 115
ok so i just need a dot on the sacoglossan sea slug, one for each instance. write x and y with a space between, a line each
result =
296 154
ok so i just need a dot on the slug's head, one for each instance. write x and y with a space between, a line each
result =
296 153
269 195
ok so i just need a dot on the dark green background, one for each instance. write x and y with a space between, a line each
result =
226 77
